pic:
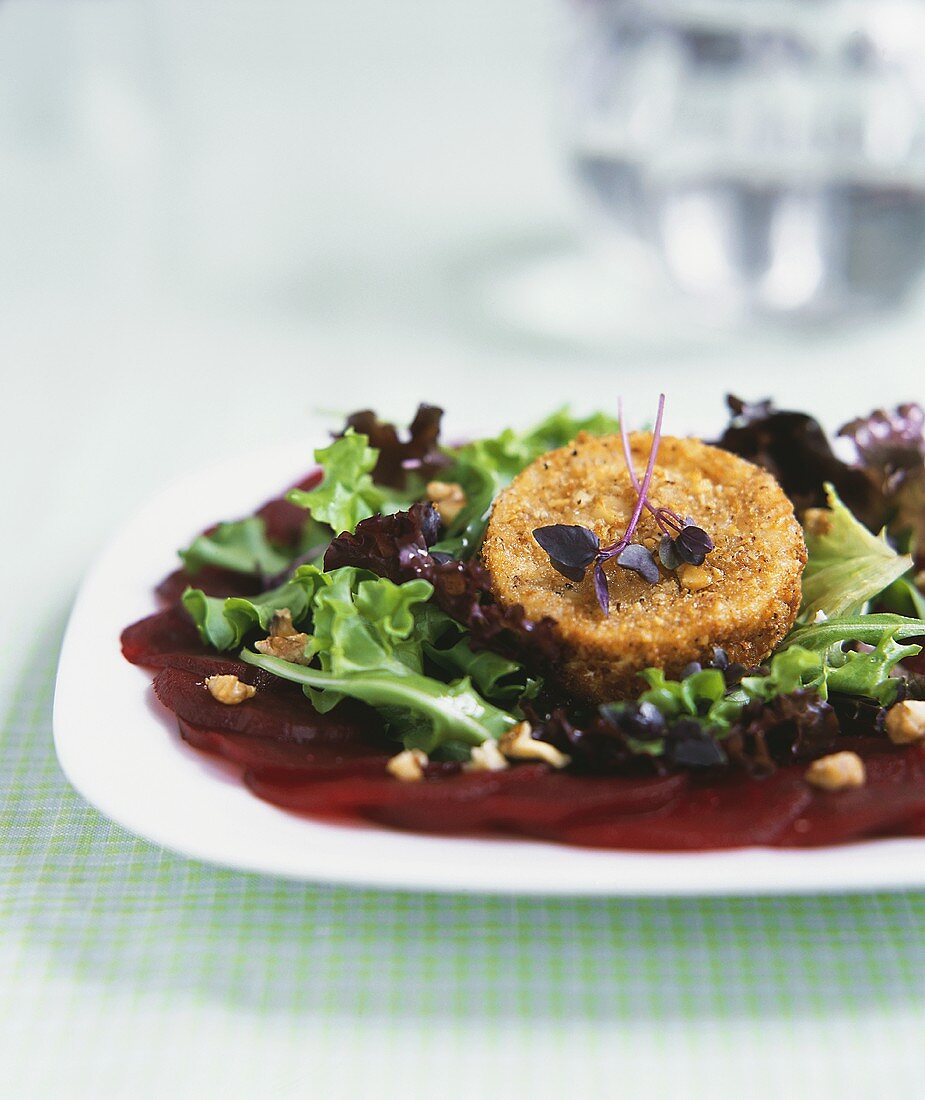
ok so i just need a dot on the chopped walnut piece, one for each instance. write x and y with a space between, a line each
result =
517 744
905 722
486 757
281 625
839 771
408 766
229 689
817 521
448 498
290 647
694 577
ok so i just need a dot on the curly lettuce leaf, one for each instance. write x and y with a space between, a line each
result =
703 695
868 629
223 622
820 665
398 547
360 623
503 681
867 674
368 639
347 493
241 546
847 565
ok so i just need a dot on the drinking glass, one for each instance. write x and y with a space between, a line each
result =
770 153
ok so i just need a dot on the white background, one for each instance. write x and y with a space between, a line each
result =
218 217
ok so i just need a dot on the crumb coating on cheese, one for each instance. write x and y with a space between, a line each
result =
754 571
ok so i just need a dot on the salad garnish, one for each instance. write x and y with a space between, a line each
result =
573 548
376 595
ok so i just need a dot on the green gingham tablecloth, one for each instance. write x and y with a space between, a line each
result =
128 971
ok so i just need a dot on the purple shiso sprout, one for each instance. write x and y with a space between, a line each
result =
572 547
666 519
641 490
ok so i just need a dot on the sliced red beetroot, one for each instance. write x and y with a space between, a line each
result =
445 805
284 521
149 641
214 582
893 793
278 712
319 760
526 799
729 812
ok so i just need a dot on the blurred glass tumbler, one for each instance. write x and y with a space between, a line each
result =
772 153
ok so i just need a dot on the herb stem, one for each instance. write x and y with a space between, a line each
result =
657 513
641 490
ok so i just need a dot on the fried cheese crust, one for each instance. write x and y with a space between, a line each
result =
747 607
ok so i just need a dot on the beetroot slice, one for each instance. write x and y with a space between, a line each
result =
319 760
668 814
526 799
727 812
894 793
153 640
278 712
212 581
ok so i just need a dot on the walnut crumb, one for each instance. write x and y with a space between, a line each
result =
517 744
408 766
281 625
840 771
694 577
486 757
448 498
905 722
290 647
817 521
229 689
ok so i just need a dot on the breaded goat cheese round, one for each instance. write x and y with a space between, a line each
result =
744 598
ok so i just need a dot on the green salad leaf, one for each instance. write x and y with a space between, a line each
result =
867 674
903 597
847 565
241 546
347 493
367 636
446 645
485 466
703 695
868 629
223 622
812 658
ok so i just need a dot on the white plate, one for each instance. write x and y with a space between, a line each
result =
120 749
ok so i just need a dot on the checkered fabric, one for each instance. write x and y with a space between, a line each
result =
126 971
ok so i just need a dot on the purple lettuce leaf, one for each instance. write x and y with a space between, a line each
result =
398 547
793 447
418 454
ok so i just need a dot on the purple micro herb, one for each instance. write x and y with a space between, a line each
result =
600 588
572 548
640 560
